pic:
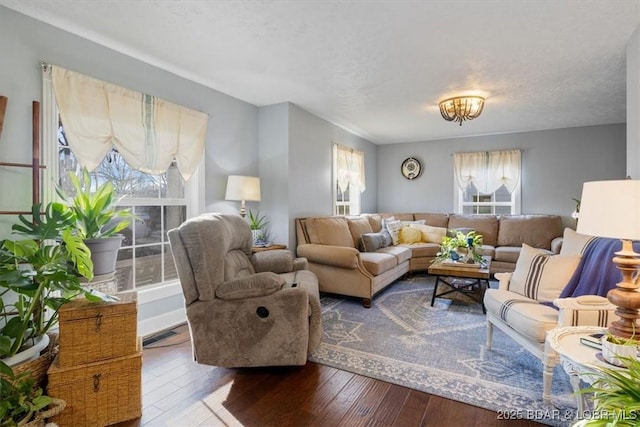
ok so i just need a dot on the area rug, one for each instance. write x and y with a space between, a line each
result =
440 350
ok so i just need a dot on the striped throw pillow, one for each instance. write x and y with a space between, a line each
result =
540 275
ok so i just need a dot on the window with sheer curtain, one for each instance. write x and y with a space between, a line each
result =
148 148
487 182
349 180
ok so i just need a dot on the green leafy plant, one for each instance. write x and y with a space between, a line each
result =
95 213
41 270
257 221
616 395
450 244
19 399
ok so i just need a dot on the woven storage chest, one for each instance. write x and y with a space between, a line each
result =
98 394
95 331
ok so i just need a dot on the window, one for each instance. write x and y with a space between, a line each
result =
349 180
487 182
159 204
160 200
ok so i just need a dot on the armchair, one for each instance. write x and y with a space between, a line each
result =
526 306
244 310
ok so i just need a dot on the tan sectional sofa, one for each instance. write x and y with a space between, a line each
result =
333 246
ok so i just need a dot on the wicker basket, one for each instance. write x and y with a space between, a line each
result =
39 366
38 419
98 394
95 331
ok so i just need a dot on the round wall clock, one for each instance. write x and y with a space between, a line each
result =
411 168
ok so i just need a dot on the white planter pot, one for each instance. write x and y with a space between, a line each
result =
29 354
613 353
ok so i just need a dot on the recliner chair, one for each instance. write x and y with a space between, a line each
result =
244 310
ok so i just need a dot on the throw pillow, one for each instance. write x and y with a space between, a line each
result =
540 275
431 234
410 235
394 227
371 242
574 243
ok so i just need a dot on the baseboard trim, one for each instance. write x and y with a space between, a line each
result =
161 322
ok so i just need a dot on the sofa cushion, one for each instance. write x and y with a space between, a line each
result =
422 249
410 235
377 263
401 253
431 234
358 226
329 231
541 276
527 316
371 242
574 243
487 225
433 219
375 221
507 253
535 230
399 216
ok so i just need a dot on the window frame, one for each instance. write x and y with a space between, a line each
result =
355 197
193 188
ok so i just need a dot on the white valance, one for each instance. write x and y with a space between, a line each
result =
147 131
350 168
488 171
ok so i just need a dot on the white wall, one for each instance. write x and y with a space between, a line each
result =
231 140
299 183
633 105
555 163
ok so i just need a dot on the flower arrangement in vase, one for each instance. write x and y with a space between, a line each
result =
460 247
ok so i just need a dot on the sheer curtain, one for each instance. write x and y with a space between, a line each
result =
350 168
147 131
488 171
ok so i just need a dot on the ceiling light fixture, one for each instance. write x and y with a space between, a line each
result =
461 108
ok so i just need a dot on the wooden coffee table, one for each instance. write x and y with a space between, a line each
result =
463 280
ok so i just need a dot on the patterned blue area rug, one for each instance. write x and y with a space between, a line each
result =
439 350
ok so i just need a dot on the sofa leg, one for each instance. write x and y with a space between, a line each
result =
489 335
366 302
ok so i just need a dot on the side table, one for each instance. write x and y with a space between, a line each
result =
578 360
267 248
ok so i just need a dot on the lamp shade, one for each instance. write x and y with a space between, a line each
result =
610 209
243 188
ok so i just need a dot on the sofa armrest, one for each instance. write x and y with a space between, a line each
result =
255 285
503 280
337 256
588 310
300 263
556 245
277 261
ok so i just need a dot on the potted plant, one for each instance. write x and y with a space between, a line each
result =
39 272
617 350
97 221
616 395
257 224
22 403
460 247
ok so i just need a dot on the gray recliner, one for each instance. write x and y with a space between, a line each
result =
244 310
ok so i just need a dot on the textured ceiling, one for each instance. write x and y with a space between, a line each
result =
379 68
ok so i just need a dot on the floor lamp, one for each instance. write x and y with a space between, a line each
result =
243 188
612 209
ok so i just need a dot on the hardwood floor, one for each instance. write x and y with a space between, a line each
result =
179 392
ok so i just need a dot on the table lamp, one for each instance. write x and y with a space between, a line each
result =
243 188
612 209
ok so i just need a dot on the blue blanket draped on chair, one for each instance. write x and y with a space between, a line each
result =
596 274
